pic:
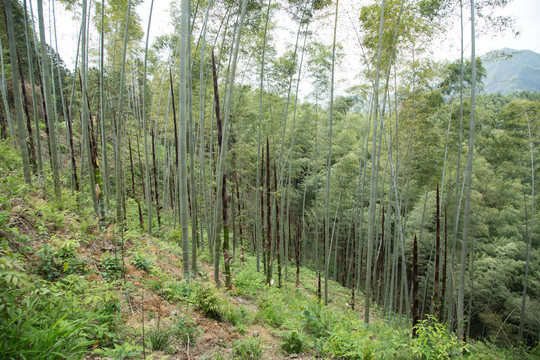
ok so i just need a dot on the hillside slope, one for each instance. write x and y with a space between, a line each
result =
72 290
509 71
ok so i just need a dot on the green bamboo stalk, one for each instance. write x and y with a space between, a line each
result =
373 184
182 136
226 129
118 163
106 170
21 128
258 204
329 159
529 244
3 89
48 100
468 180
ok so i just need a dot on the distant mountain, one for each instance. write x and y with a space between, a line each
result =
511 70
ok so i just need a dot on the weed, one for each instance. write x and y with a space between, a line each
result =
112 267
248 282
141 262
208 299
156 286
433 341
247 349
186 329
178 290
125 351
159 339
293 342
236 315
316 321
48 265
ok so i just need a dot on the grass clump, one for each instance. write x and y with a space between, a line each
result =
247 349
293 342
159 339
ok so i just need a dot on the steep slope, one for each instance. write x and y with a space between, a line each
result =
510 70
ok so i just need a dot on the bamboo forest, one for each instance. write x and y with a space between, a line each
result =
268 179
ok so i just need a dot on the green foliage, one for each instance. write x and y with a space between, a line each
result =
159 339
48 266
126 350
248 282
141 262
316 321
272 310
353 345
433 341
178 290
51 321
208 300
186 329
175 236
236 315
293 342
112 267
12 274
249 348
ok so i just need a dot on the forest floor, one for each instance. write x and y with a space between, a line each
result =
62 244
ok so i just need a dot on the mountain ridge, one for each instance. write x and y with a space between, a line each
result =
510 70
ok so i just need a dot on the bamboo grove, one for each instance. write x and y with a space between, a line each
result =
408 186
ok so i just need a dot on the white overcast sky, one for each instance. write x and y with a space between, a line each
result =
525 12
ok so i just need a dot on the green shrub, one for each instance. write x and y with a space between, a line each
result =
347 345
208 300
186 330
293 342
236 315
159 339
316 321
141 262
175 236
433 341
156 286
48 265
248 282
247 349
39 322
272 309
112 267
179 290
126 350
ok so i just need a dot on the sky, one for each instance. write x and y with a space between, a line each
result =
525 12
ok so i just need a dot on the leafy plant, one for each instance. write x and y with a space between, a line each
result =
208 299
48 266
316 321
247 349
186 329
124 351
141 262
235 315
248 282
178 290
349 345
433 341
293 342
112 267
